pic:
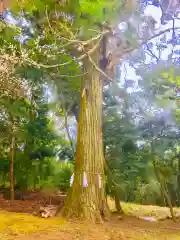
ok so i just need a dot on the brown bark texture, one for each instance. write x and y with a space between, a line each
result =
118 204
88 202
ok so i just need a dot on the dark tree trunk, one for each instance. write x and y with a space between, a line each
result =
178 182
164 191
117 203
12 151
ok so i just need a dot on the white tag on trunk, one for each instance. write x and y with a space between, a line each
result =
85 182
71 179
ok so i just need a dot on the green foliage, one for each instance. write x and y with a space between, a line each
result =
61 179
172 77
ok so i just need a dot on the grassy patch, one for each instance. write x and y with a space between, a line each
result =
132 209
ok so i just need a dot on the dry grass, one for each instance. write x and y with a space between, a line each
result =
15 226
132 209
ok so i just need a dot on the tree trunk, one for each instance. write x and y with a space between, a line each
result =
178 182
12 150
86 199
117 203
164 191
159 180
68 132
169 202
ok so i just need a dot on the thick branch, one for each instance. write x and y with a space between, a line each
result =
99 70
83 43
69 62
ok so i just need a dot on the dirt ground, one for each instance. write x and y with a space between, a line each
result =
30 201
17 223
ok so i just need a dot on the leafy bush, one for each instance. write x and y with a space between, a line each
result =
61 179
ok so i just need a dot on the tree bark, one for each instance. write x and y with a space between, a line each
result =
159 180
164 191
178 182
88 202
12 151
117 203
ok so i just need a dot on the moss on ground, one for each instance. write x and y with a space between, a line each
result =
24 223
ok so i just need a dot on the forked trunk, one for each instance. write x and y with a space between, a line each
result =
86 199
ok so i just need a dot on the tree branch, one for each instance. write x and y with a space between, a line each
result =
151 53
90 41
82 43
90 51
159 34
98 69
39 65
149 39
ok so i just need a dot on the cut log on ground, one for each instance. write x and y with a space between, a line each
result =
48 211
